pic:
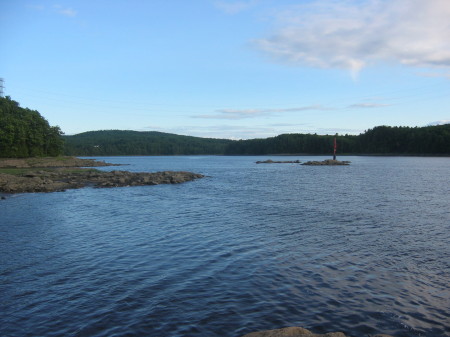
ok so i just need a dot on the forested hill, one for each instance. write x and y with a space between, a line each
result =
118 142
430 140
25 133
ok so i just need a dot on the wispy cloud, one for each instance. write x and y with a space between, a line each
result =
237 132
235 7
254 113
66 11
355 34
441 122
223 131
341 131
367 105
435 74
35 7
61 10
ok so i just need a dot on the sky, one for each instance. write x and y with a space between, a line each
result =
237 69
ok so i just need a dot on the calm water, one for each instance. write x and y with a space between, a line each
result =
362 249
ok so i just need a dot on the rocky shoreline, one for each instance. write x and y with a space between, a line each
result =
57 175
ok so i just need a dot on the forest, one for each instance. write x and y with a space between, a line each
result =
25 133
120 142
429 140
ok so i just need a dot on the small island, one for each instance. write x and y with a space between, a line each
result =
329 162
57 174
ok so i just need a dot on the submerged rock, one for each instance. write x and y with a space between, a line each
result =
329 162
270 161
297 332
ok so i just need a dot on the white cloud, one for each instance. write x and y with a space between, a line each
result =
367 105
253 113
234 7
66 11
350 34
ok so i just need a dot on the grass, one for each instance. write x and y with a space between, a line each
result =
14 171
23 171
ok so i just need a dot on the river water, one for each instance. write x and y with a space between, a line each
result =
361 249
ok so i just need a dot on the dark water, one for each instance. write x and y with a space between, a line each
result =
362 249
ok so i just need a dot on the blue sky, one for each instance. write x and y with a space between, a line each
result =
228 69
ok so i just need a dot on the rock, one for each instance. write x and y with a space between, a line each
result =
296 332
270 161
68 179
329 162
291 332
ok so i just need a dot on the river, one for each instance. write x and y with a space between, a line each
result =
361 249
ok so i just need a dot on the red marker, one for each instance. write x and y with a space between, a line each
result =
335 147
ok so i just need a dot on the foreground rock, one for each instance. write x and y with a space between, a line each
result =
297 332
62 179
330 162
270 161
61 173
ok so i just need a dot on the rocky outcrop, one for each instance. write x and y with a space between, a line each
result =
297 332
270 161
62 179
329 162
44 175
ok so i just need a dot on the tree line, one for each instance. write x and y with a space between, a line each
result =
25 133
430 140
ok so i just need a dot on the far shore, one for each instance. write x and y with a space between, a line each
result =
272 155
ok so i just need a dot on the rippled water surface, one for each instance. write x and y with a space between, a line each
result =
362 249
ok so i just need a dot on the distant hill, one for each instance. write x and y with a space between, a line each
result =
119 142
430 140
